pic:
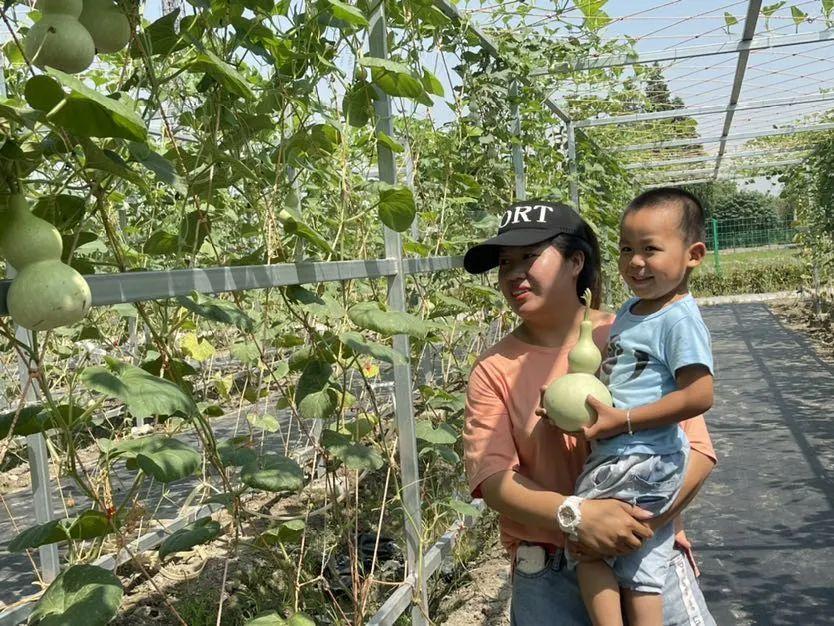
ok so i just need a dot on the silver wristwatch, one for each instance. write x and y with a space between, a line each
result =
569 516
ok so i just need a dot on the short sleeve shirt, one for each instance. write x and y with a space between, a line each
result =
503 432
643 356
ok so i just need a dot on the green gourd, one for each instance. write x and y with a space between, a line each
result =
565 398
58 39
108 26
46 293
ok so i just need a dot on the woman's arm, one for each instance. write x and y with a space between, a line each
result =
609 527
697 471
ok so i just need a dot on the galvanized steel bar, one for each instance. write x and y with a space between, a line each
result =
742 168
707 110
518 151
704 159
403 394
750 22
573 180
691 52
679 143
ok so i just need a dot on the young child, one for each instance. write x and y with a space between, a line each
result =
659 370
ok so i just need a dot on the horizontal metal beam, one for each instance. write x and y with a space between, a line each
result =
696 141
704 159
710 110
677 54
140 286
741 168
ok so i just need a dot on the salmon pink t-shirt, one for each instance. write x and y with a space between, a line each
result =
503 432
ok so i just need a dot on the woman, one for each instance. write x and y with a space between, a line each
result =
523 466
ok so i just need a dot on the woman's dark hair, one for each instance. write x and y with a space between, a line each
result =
591 275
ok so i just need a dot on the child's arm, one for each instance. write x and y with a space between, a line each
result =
693 397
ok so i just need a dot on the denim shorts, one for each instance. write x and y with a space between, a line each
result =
651 482
551 596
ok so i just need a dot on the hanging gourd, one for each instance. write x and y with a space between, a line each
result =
108 26
565 398
46 293
58 39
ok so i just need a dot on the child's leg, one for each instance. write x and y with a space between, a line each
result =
600 593
643 609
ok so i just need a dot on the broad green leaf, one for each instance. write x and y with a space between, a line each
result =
432 84
595 17
301 619
390 143
31 419
357 343
88 525
169 461
217 310
88 113
314 378
235 452
369 316
225 74
144 394
194 228
161 167
199 348
274 473
355 456
197 533
464 508
395 79
161 38
318 405
827 6
161 242
396 206
266 422
81 594
320 306
246 352
358 103
109 161
288 532
443 434
63 211
347 13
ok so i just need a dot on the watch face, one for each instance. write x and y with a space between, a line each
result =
567 516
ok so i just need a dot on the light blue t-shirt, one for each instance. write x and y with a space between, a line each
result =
644 352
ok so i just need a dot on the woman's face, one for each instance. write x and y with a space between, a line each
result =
535 279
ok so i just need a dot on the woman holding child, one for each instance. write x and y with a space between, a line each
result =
525 468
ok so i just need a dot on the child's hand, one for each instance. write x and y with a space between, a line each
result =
609 422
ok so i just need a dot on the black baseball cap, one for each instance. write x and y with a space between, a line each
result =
525 224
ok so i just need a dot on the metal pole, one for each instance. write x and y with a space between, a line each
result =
403 400
573 180
715 245
518 152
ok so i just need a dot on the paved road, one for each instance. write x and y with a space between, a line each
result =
764 523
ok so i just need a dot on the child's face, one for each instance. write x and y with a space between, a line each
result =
654 256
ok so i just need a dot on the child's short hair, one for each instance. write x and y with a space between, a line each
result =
692 224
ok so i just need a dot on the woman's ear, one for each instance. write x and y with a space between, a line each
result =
577 260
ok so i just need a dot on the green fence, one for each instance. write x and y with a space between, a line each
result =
749 232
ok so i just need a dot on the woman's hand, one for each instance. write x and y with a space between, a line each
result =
609 422
612 527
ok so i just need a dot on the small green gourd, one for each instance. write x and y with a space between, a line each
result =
46 293
58 39
108 26
565 399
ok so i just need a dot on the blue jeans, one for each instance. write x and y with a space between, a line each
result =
551 596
